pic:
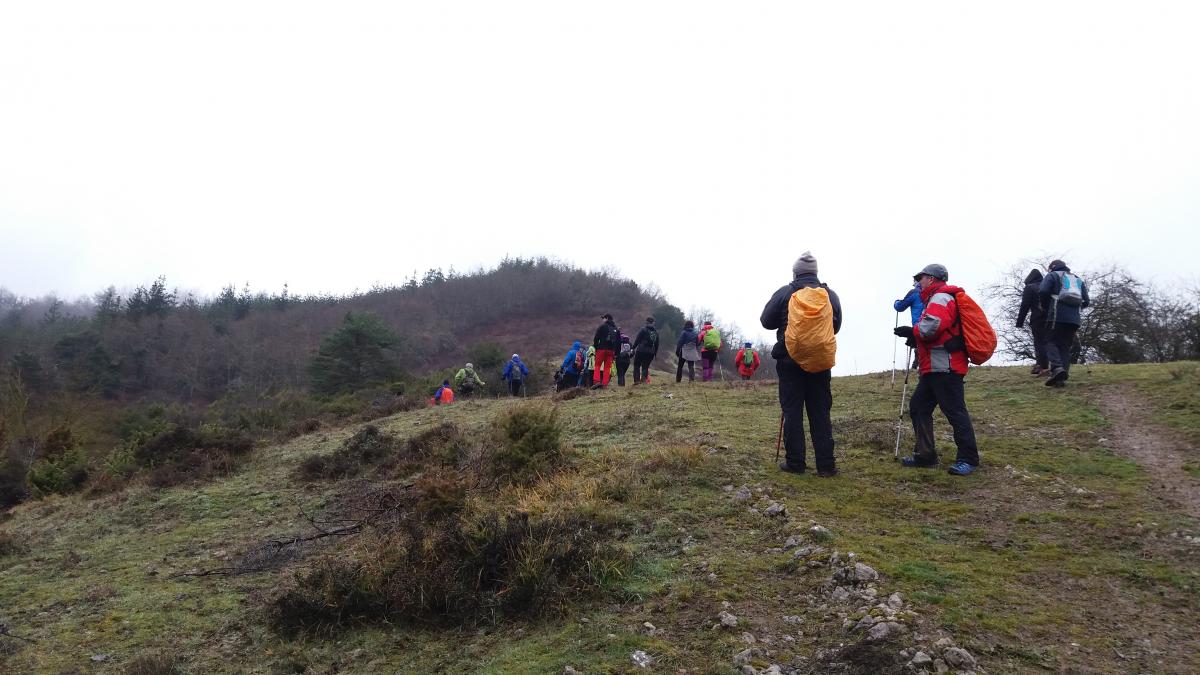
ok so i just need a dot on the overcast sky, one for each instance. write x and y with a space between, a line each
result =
698 146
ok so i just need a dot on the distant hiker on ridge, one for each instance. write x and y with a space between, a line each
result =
515 372
941 352
624 358
1031 306
710 349
747 361
444 394
805 315
645 348
467 380
572 366
1064 296
607 341
687 348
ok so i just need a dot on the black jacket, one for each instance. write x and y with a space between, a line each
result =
607 337
775 314
1030 304
642 344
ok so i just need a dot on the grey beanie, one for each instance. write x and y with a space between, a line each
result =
805 264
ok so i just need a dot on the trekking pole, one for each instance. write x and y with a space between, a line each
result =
895 347
903 395
779 439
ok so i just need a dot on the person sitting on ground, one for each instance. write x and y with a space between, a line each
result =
467 380
710 350
805 388
572 366
624 358
606 342
444 394
1063 296
1031 306
515 372
645 348
687 349
747 361
942 355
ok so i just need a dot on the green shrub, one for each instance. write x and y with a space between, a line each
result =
530 441
367 446
61 467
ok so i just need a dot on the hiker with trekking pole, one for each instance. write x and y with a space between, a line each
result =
515 373
805 315
951 333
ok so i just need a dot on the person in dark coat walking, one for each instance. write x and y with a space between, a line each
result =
1031 306
624 358
645 348
687 349
607 341
799 390
1063 296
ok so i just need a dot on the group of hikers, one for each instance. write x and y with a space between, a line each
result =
467 381
947 330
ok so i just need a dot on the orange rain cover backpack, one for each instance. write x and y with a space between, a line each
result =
977 333
809 334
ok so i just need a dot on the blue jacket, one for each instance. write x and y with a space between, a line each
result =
685 336
568 364
1055 312
911 302
521 370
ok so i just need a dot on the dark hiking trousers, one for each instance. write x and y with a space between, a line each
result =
622 368
944 390
1058 345
641 367
1040 334
691 370
514 387
801 392
568 381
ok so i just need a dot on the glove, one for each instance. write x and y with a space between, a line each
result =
903 331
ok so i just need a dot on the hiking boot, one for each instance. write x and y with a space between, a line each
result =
915 462
1037 370
1057 375
826 473
1060 384
961 469
784 466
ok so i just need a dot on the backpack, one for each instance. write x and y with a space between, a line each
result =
580 360
626 350
1070 291
712 340
809 335
514 374
469 378
748 358
977 333
651 338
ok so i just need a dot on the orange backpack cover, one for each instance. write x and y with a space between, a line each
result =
809 334
977 333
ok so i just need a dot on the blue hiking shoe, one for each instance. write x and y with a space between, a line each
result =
915 462
961 469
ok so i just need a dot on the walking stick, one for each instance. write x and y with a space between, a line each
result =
903 395
779 440
895 346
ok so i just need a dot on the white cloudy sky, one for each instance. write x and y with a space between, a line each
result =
699 146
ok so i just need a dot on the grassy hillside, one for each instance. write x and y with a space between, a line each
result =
1061 555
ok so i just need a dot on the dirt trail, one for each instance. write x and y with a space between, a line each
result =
1162 453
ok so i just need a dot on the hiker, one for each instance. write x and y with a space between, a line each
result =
444 394
911 302
607 341
687 349
624 358
645 348
572 367
1063 297
747 361
710 349
941 353
1031 306
467 380
805 315
586 378
515 372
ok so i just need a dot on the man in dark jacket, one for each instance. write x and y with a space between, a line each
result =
942 358
645 348
1031 306
607 341
1063 297
799 390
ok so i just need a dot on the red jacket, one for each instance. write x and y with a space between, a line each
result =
744 369
937 325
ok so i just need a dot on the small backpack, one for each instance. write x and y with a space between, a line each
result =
809 335
748 357
977 333
712 340
652 338
580 360
1070 292
515 374
469 378
626 349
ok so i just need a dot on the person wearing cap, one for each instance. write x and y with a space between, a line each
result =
799 390
942 363
747 361
1063 319
515 372
466 380
645 348
606 341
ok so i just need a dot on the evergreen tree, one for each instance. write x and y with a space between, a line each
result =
361 352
